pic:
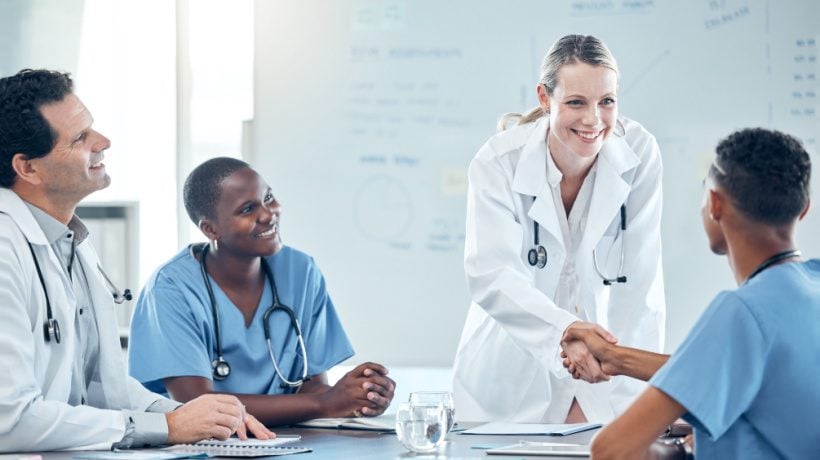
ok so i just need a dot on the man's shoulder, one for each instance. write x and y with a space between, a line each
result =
10 233
783 284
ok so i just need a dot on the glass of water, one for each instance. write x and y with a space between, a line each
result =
444 398
421 427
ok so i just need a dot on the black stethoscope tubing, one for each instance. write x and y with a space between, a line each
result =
620 277
221 367
537 256
51 328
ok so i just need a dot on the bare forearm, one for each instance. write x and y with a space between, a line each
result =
632 362
276 410
271 410
631 434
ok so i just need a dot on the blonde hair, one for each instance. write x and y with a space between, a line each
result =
569 49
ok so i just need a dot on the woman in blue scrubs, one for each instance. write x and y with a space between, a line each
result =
174 343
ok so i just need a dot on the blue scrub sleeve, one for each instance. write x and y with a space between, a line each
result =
167 336
326 341
718 370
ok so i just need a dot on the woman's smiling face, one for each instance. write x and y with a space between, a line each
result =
583 109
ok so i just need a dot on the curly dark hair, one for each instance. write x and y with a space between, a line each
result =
765 172
202 187
23 129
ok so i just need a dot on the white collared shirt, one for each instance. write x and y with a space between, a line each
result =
572 230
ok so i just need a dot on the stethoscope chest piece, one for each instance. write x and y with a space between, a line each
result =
221 368
537 257
52 330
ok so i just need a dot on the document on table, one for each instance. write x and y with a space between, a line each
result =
383 423
531 429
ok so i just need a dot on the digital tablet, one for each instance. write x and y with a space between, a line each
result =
547 449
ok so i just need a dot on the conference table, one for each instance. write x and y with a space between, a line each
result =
333 443
330 443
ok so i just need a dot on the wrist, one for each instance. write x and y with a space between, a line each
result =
612 362
170 418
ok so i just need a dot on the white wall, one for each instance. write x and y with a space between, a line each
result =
122 57
367 114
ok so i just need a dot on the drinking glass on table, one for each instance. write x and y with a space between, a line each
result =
421 427
435 397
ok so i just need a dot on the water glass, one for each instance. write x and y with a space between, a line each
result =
421 427
444 398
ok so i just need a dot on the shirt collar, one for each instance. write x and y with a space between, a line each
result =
53 229
554 175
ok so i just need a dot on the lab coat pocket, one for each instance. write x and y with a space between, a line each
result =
492 367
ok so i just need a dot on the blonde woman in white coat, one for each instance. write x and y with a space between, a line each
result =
576 173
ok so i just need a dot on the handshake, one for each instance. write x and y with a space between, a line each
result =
592 354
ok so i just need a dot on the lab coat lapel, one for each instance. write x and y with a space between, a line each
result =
610 190
112 369
531 179
60 299
13 205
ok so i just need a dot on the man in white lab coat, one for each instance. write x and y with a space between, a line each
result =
64 384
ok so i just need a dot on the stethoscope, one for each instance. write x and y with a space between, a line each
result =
221 368
51 328
537 256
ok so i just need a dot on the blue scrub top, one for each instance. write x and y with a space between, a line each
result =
746 373
172 331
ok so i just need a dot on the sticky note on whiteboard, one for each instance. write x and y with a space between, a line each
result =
454 182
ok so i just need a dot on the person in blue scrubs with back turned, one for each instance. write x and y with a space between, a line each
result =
745 376
201 322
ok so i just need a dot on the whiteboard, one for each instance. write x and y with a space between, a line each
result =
367 114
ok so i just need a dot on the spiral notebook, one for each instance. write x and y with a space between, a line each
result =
234 447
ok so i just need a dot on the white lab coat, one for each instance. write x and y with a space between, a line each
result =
36 376
508 364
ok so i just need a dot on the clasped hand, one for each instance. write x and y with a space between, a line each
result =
365 390
582 346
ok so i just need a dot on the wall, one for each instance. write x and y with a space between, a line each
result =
367 114
121 56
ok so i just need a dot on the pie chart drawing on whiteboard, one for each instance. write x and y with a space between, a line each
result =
383 209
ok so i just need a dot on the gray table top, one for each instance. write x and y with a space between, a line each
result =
330 443
356 444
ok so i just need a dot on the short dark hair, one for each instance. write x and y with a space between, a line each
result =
23 129
202 187
765 172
